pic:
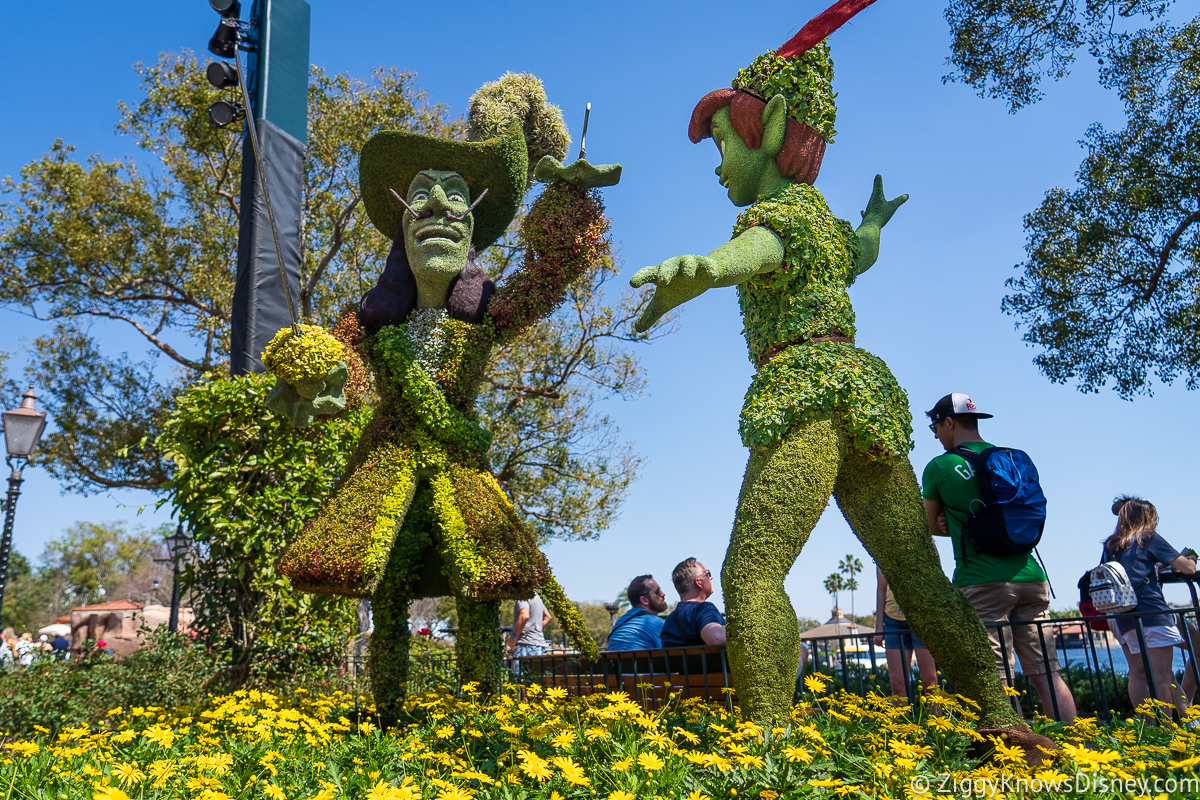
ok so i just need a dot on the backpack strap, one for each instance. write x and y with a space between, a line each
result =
626 618
1053 596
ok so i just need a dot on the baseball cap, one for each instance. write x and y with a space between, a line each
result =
956 404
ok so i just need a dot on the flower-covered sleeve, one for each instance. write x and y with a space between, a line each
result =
565 234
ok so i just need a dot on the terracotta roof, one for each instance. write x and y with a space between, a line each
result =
63 620
114 605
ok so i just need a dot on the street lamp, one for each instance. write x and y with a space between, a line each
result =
612 609
23 428
178 545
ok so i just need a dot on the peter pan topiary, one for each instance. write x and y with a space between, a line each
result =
418 513
822 418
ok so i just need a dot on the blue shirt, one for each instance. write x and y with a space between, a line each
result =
682 628
636 629
1139 561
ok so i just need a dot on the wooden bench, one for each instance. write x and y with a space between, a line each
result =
651 677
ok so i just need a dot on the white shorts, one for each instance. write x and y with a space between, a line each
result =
1156 636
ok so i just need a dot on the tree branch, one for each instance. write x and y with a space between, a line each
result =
1164 255
154 340
339 229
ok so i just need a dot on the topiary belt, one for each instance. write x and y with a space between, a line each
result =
779 348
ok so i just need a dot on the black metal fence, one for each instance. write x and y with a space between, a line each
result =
857 664
1092 662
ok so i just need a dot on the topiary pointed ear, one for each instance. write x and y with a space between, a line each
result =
774 117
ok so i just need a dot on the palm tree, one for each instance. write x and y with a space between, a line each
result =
834 584
850 566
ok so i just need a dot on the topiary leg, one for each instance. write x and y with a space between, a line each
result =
882 504
783 494
477 644
388 654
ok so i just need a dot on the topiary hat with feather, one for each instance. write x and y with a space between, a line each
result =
802 71
510 126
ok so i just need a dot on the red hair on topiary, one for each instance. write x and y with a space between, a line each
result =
803 148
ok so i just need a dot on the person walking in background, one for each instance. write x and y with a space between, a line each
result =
1139 549
25 648
530 618
8 649
900 643
695 621
1002 589
640 628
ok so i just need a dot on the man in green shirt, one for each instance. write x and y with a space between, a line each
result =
1002 589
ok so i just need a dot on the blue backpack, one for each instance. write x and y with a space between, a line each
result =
1012 510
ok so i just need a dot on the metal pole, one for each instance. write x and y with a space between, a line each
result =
10 505
173 622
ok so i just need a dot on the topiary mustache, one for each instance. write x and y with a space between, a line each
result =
395 293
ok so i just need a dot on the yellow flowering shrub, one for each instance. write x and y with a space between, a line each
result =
526 743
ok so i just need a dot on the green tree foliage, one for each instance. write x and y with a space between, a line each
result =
26 601
562 462
1109 289
105 250
90 563
1003 48
245 483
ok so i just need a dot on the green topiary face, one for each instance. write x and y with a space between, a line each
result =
805 81
748 175
438 245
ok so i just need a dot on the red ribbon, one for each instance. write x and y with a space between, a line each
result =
822 25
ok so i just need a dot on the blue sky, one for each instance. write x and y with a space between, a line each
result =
929 307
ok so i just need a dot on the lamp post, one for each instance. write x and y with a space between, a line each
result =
612 609
23 428
178 545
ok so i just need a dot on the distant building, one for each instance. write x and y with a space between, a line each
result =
119 623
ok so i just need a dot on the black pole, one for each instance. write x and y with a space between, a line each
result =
173 622
14 490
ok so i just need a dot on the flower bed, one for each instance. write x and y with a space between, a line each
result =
542 744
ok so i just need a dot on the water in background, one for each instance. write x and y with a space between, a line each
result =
1082 655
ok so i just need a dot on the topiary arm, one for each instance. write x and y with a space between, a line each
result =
565 234
555 598
879 211
681 278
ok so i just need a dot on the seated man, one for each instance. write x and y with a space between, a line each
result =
695 621
640 628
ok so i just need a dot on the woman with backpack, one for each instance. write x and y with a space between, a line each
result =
1139 549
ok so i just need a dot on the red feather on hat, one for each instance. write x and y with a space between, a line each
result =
822 25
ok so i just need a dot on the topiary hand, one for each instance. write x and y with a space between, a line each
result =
880 209
676 281
581 173
311 397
